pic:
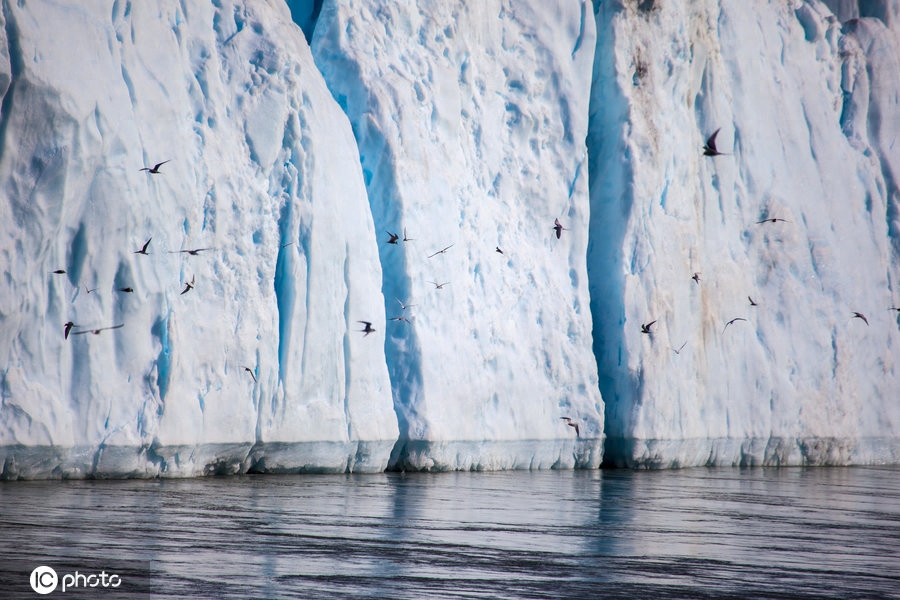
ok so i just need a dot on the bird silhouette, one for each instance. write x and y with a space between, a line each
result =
559 228
498 250
573 425
752 303
144 249
645 328
68 327
286 245
368 328
59 272
857 315
192 252
252 374
732 321
709 149
442 251
680 348
155 168
187 287
439 286
405 238
696 277
89 290
127 290
772 220
400 318
895 308
394 238
98 330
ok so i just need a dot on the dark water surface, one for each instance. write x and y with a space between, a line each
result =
694 533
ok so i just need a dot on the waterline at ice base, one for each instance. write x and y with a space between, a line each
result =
447 236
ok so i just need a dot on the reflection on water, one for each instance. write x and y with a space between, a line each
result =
696 533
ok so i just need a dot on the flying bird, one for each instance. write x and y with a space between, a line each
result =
680 348
394 237
752 303
498 250
559 228
187 286
192 252
403 306
98 330
89 290
696 277
143 250
155 168
857 315
732 321
442 251
439 286
127 290
249 370
709 149
405 238
772 220
645 328
895 308
59 272
368 329
69 326
286 245
400 318
572 424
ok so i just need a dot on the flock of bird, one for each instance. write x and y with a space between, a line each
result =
710 149
69 327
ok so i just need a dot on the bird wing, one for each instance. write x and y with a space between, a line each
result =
711 142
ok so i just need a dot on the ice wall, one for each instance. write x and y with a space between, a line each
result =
808 111
471 119
261 365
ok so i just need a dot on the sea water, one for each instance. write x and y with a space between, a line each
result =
693 533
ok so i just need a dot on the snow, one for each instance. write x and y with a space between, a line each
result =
301 134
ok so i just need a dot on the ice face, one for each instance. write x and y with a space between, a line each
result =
437 229
799 99
260 364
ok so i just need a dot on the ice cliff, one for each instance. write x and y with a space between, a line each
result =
465 129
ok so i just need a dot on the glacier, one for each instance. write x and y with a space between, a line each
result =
303 136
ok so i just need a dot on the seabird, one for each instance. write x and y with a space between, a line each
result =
572 424
69 326
249 370
187 286
895 308
407 239
394 237
498 250
441 251
559 228
286 245
98 330
709 149
89 290
400 318
155 168
696 277
645 328
127 290
144 249
403 306
59 272
732 321
752 303
857 315
192 252
439 286
680 348
772 220
368 329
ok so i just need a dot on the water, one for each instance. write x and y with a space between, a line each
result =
695 533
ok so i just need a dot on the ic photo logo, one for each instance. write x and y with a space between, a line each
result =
45 580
